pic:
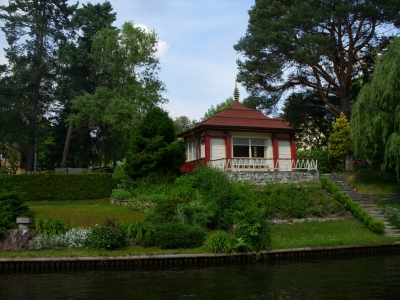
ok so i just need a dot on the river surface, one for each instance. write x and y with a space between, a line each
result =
375 277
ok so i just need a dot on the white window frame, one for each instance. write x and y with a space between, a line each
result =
191 151
266 145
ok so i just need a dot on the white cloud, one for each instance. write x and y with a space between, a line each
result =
142 26
162 46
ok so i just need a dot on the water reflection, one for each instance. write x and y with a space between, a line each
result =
362 278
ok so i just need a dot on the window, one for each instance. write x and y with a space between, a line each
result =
202 148
243 147
191 151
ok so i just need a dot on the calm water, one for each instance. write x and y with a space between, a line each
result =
363 278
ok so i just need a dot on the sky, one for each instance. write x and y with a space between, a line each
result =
196 38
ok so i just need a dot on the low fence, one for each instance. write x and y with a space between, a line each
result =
265 164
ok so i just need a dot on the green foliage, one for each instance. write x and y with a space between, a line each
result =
11 207
53 187
295 44
376 226
164 212
252 228
216 194
117 105
185 187
325 165
295 201
121 194
220 241
48 226
220 106
152 198
339 141
177 235
183 123
107 237
153 150
376 114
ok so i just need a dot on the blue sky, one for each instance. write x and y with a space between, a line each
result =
196 38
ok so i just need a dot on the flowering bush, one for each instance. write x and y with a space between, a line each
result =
73 238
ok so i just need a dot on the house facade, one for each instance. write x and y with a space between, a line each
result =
12 159
241 139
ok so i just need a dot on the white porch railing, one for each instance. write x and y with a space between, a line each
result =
265 164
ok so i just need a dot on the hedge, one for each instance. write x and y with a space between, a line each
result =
372 224
61 187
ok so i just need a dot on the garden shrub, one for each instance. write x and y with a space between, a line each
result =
107 237
121 194
376 226
164 212
220 241
61 187
216 194
252 228
177 235
11 207
49 226
73 238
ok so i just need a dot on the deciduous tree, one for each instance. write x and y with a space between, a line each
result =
220 106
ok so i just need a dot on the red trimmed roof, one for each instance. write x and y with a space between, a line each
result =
240 116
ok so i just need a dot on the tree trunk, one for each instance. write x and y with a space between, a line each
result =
66 146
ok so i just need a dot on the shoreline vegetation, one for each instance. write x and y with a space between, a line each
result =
276 203
343 232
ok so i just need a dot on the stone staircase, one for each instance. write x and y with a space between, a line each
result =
367 203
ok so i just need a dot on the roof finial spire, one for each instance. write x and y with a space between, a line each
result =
236 92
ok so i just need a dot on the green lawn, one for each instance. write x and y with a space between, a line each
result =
319 234
374 182
84 213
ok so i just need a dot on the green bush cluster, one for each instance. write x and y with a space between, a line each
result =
376 226
106 237
176 235
11 207
61 187
220 241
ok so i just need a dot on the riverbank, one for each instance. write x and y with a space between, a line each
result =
140 262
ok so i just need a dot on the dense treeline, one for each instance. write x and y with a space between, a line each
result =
75 87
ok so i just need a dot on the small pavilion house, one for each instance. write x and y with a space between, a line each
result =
243 139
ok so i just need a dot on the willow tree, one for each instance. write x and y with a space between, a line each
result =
376 115
317 45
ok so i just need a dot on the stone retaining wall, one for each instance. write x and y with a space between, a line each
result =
262 178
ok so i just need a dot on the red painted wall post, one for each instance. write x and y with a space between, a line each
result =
275 151
207 145
293 150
